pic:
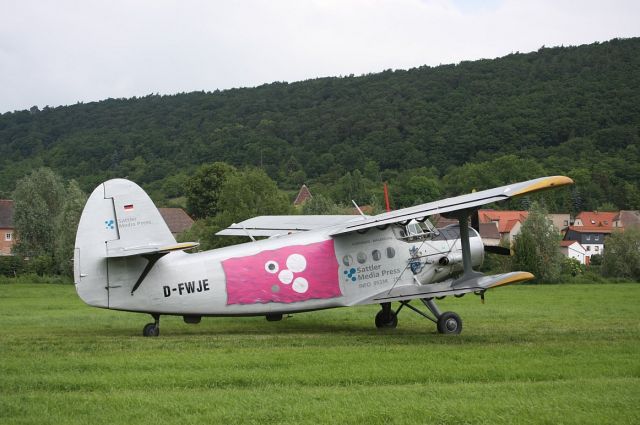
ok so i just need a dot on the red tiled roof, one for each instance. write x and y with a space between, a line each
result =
505 219
596 218
177 220
590 229
303 195
6 214
567 243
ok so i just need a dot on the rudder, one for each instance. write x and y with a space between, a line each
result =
118 220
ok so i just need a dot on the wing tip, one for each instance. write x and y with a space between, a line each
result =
544 183
513 278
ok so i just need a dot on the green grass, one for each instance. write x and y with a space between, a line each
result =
562 354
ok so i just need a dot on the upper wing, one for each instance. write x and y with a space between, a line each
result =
457 203
271 225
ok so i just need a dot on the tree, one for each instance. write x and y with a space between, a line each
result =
244 194
203 189
419 190
621 256
46 219
250 193
67 225
320 205
537 247
38 198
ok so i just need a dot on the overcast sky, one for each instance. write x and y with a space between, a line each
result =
64 51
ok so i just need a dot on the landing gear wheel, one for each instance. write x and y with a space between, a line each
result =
386 319
449 323
151 329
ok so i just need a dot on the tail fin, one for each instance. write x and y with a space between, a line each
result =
118 220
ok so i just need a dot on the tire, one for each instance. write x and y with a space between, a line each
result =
449 323
150 329
386 321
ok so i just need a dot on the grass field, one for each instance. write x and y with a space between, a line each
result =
564 354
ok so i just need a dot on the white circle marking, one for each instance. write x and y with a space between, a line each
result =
271 266
296 263
285 276
300 285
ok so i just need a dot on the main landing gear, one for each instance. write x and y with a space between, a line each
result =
446 323
152 329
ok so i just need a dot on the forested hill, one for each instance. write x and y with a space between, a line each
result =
570 110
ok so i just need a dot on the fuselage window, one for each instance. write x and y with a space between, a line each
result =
391 252
362 257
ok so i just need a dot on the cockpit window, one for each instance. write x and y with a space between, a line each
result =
416 230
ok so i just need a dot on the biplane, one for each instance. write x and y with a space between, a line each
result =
127 259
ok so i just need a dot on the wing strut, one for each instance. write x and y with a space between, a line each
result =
468 272
152 259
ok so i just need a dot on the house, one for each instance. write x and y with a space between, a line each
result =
573 249
177 220
627 220
595 219
590 229
7 231
439 221
508 222
560 221
490 234
590 237
303 195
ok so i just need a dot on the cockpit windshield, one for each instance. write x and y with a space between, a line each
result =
415 230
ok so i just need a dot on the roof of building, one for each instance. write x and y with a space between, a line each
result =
591 229
177 220
628 218
506 219
303 195
597 218
6 213
439 221
568 243
489 231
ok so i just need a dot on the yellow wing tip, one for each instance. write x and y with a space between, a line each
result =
545 183
513 278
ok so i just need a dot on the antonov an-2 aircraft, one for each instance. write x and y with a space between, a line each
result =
127 259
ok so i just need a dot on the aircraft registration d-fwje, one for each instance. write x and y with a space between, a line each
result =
127 259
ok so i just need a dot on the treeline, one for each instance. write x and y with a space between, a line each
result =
48 209
434 131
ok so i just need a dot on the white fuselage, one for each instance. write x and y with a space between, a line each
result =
296 272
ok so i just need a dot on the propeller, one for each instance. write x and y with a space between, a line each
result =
500 250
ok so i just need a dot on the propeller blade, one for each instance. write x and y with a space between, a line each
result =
475 220
500 250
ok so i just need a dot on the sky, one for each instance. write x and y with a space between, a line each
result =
67 51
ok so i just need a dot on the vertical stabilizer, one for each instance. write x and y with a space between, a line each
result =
118 220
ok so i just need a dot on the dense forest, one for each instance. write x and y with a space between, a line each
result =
428 131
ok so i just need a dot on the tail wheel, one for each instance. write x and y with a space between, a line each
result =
449 323
151 329
386 319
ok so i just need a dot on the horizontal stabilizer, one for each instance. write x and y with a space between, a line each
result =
149 249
